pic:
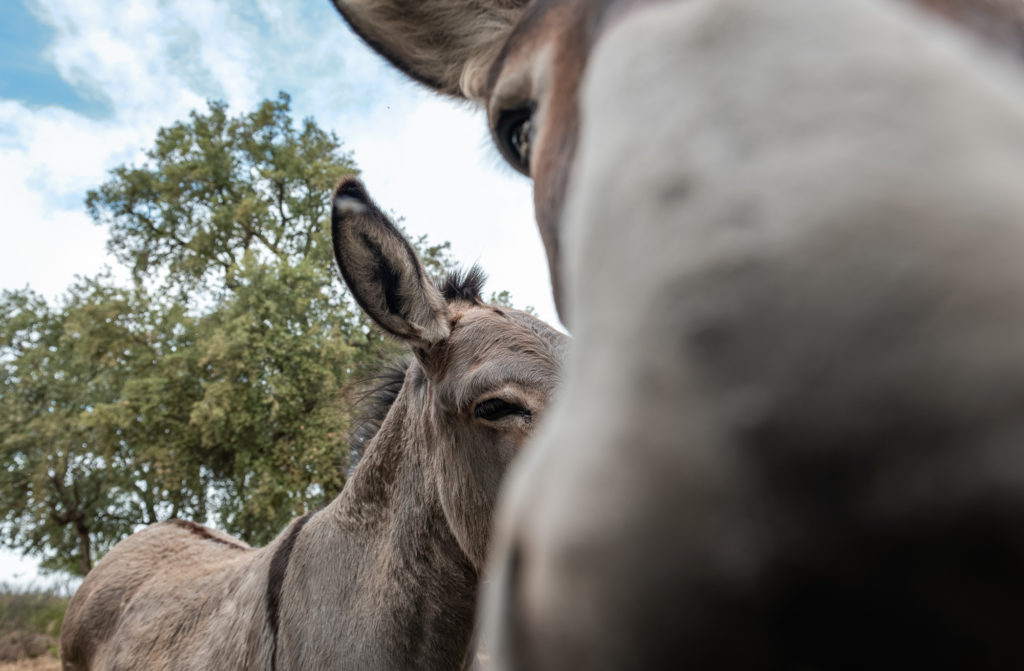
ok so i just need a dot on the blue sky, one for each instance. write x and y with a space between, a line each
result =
28 75
84 85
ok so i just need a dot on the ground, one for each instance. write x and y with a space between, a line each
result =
44 663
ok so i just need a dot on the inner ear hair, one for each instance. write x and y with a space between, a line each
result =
382 270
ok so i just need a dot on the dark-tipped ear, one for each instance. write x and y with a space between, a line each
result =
382 270
448 45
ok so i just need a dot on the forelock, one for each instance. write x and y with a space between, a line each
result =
463 285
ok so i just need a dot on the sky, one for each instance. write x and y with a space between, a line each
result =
84 86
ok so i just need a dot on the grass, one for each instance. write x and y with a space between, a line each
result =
30 620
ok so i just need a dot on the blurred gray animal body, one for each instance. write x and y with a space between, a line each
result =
788 237
385 576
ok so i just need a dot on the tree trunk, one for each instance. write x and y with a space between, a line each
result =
84 549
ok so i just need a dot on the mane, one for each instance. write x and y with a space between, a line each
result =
464 285
375 403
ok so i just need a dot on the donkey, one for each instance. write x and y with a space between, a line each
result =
787 237
385 576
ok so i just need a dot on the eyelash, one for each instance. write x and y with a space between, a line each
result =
494 409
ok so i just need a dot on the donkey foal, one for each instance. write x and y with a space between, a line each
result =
385 576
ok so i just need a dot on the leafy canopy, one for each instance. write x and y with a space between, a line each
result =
216 385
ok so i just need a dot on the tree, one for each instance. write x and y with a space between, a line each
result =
215 385
230 215
219 187
83 461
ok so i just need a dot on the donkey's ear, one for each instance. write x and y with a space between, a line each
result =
448 45
382 270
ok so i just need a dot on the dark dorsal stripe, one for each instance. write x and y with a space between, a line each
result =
203 532
275 581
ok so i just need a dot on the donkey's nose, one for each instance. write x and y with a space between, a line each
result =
502 635
526 609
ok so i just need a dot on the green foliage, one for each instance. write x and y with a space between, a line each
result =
91 440
273 360
219 187
214 387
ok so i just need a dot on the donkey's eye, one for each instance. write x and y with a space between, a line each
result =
495 408
514 133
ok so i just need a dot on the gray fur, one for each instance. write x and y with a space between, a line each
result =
408 306
789 239
446 44
385 576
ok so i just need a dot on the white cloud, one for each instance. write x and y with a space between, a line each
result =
48 158
18 570
424 158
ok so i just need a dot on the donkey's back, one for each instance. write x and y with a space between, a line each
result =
110 623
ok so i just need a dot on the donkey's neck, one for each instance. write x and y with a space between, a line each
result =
383 560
